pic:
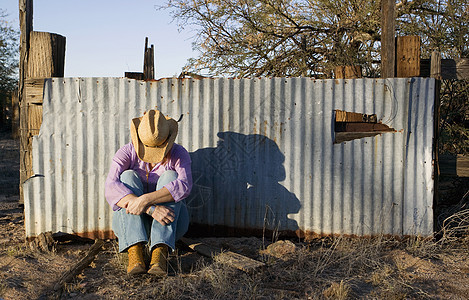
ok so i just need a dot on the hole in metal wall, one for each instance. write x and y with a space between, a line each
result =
350 126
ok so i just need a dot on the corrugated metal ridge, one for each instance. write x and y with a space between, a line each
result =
263 153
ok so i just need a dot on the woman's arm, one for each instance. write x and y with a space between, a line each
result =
176 190
115 190
124 202
138 205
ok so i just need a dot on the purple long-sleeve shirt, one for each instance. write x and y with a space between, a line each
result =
126 159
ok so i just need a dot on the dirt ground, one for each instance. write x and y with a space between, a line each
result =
328 268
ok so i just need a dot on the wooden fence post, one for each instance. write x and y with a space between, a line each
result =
387 38
435 65
348 72
435 72
408 56
46 55
46 58
26 26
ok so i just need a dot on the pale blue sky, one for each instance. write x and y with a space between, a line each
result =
106 38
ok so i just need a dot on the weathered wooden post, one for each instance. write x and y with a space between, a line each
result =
26 26
387 38
435 72
46 55
435 65
42 55
407 56
348 72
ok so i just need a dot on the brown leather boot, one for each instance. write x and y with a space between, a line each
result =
136 262
159 258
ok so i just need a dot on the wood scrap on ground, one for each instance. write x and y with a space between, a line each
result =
44 242
79 266
233 259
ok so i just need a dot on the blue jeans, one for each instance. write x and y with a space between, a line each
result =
133 229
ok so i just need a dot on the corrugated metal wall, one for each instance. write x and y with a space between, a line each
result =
263 153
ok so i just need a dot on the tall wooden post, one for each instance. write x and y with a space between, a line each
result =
26 27
407 56
42 55
387 38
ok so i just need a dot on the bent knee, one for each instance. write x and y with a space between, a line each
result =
129 176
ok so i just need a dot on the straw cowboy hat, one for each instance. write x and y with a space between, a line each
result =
153 135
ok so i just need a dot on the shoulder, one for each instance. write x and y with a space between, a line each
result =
178 149
127 151
127 148
178 152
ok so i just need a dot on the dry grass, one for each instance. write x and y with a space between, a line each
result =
328 268
3 287
119 260
339 291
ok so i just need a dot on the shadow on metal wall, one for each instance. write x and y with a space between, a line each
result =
238 184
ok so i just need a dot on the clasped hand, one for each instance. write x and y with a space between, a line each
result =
139 205
163 214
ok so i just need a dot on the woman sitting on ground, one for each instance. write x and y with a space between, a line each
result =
146 186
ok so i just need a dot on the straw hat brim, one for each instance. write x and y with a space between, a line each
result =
152 154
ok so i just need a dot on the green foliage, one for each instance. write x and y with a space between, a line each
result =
8 55
8 63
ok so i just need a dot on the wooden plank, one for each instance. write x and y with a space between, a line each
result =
408 56
435 65
361 127
30 123
345 116
341 137
454 165
35 119
235 260
387 38
450 68
134 75
34 90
